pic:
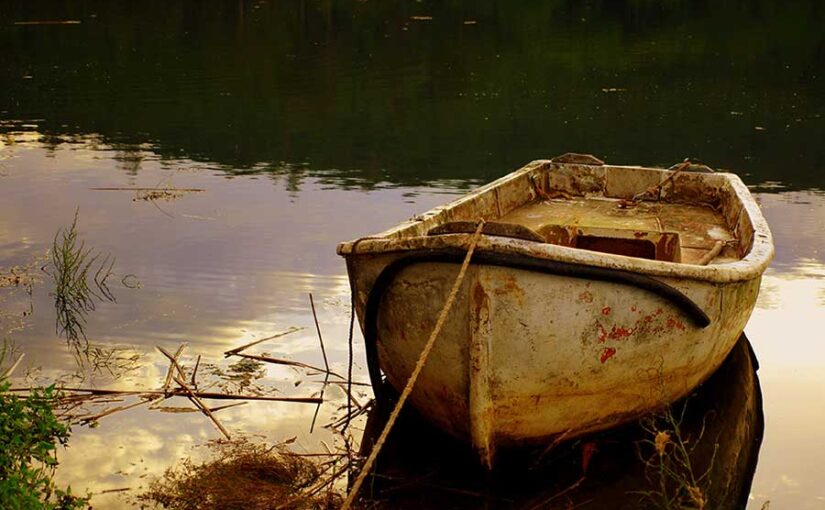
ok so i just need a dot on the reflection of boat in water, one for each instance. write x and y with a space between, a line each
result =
420 467
595 294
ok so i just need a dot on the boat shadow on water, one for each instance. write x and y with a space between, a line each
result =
701 452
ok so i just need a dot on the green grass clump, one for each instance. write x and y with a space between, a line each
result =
80 278
29 435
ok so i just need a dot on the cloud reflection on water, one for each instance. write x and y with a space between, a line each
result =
216 284
786 330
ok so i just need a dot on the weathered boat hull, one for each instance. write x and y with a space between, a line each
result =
544 340
419 467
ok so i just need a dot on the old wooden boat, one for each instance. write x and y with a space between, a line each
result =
596 294
723 420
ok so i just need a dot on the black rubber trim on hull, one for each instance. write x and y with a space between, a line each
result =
514 261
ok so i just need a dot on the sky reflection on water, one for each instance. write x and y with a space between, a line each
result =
786 332
245 272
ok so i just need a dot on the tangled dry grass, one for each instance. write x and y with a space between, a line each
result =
244 475
679 483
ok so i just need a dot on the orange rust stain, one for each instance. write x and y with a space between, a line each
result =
585 297
651 317
638 235
608 353
675 324
481 302
511 283
606 310
602 332
620 333
510 288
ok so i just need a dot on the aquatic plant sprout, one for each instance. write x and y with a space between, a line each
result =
80 276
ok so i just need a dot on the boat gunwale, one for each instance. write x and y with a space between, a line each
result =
751 266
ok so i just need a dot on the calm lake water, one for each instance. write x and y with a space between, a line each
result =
309 123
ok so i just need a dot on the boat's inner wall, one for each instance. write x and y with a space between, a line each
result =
659 186
702 208
698 227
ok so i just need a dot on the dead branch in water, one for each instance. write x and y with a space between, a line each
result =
199 403
175 366
288 362
326 362
93 418
236 350
178 393
195 372
7 372
170 371
173 361
71 399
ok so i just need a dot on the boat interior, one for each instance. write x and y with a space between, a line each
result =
675 215
651 230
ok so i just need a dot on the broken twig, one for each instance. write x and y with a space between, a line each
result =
199 403
236 350
326 363
289 362
179 393
170 372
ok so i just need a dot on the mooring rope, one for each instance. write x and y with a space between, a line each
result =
422 360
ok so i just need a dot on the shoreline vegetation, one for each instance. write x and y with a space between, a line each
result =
294 481
36 420
31 434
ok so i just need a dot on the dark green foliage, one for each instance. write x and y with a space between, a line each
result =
29 435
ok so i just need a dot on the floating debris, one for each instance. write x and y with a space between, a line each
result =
72 399
49 22
247 475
